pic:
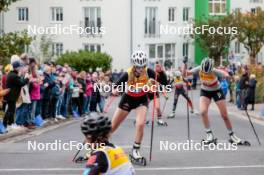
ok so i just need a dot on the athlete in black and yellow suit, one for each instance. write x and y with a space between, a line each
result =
136 97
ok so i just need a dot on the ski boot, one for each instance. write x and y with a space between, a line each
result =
236 140
209 138
136 158
172 115
160 122
191 111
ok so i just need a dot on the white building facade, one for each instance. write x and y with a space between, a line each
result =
126 25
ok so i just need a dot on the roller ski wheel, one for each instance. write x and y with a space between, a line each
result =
207 142
236 140
161 123
138 161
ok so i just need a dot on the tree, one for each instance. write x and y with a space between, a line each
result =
84 60
5 3
250 31
13 43
212 42
41 48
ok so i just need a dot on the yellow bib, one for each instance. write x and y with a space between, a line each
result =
137 82
207 77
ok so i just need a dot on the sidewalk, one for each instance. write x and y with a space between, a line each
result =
256 114
50 125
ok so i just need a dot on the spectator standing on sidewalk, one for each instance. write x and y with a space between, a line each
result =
15 83
243 84
251 91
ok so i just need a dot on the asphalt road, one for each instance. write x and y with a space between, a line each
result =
16 158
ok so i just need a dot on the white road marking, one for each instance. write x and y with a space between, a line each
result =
140 169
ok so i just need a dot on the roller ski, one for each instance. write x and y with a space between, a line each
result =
236 140
172 115
136 158
160 122
209 139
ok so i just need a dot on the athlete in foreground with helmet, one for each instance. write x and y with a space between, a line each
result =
211 89
179 83
137 78
106 158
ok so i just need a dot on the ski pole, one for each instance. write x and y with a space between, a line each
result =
163 108
188 116
152 122
252 126
77 153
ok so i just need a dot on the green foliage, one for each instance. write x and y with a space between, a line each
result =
13 43
250 31
5 3
215 44
84 60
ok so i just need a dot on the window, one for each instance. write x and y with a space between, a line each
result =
152 51
160 51
172 14
217 7
170 53
185 49
237 47
92 47
57 49
253 10
92 19
56 14
185 14
150 20
23 14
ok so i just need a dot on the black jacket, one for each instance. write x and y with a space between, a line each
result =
243 83
15 83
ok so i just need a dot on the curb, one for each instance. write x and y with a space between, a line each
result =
26 133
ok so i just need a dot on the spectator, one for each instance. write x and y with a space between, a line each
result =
48 84
251 91
15 83
95 97
237 91
76 107
34 90
82 82
243 84
3 92
88 93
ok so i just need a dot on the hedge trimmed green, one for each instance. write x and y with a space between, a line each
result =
85 60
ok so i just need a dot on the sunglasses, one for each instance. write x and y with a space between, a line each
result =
139 67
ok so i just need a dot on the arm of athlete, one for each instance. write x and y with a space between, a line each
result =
96 164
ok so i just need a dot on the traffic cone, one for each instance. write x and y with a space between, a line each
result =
39 121
2 128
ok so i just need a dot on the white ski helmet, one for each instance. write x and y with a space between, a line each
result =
178 73
207 65
139 58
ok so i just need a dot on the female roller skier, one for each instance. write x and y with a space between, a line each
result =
179 83
136 97
211 89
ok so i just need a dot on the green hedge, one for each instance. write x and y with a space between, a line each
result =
84 60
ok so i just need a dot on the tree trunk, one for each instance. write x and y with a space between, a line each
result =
252 59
